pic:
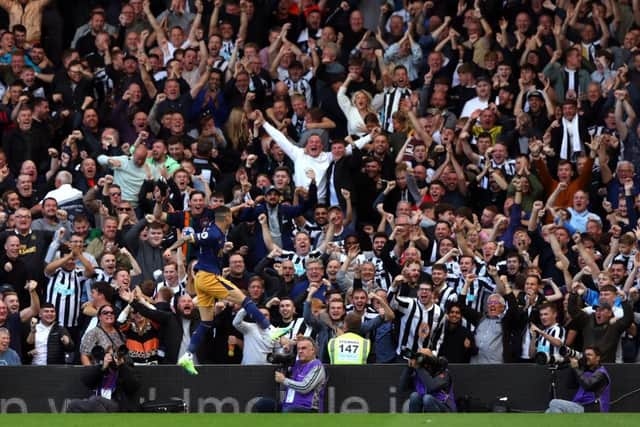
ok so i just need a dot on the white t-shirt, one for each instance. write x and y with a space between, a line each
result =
472 105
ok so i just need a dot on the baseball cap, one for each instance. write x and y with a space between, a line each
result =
535 92
270 189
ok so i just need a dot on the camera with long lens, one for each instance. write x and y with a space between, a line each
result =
281 357
569 353
121 353
435 364
542 358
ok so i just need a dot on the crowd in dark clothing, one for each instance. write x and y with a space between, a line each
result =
469 165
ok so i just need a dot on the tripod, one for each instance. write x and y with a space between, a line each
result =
553 390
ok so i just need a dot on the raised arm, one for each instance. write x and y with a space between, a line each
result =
244 21
147 81
195 25
215 15
290 150
57 263
623 106
266 232
204 78
157 28
462 182
34 305
604 27
402 150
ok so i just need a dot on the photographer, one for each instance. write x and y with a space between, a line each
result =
114 384
595 386
304 387
430 378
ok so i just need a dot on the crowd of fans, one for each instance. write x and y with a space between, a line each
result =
460 175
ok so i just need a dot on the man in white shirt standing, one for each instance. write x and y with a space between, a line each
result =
311 161
481 101
257 341
50 339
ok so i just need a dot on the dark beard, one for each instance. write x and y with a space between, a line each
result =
191 316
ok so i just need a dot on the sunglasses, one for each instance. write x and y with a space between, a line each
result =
107 313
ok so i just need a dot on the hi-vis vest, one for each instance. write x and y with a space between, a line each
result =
348 349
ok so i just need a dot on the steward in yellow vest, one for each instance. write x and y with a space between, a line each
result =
349 348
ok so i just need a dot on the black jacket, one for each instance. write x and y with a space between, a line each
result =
172 331
344 170
55 347
21 145
127 385
451 345
72 98
441 381
605 336
510 327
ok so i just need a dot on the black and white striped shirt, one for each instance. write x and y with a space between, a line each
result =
64 291
100 275
508 168
391 104
370 313
446 295
178 290
478 293
627 259
414 315
227 49
313 230
302 87
543 345
440 334
221 64
298 260
300 327
382 278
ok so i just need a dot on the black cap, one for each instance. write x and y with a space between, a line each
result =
129 56
604 304
270 189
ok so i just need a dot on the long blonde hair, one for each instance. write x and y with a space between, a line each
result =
237 130
367 95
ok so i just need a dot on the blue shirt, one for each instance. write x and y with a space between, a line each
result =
10 358
210 244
